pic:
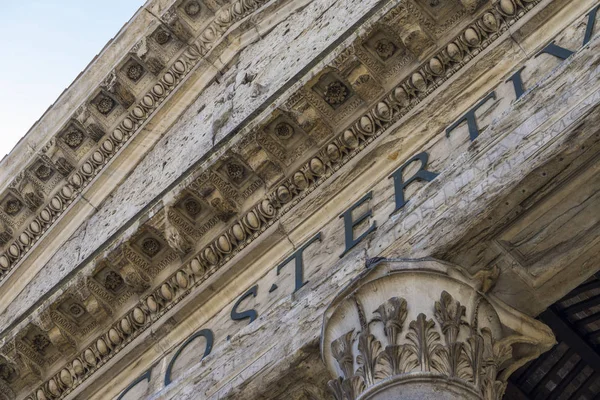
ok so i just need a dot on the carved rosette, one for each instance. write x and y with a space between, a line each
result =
425 329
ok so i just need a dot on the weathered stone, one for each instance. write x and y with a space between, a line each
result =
182 231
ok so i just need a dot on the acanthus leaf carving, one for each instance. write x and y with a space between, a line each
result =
395 360
335 386
449 313
342 351
495 356
444 347
368 349
392 314
353 387
425 341
472 360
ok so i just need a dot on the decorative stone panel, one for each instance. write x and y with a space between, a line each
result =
221 193
115 110
423 329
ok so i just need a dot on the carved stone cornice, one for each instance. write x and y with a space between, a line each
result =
412 329
98 129
222 199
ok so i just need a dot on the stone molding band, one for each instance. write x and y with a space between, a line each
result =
109 146
334 154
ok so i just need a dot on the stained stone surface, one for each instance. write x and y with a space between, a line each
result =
534 160
297 317
192 137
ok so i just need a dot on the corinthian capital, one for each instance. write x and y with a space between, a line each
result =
421 329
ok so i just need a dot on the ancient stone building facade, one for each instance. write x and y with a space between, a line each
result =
313 199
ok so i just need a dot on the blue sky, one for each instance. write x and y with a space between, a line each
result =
47 43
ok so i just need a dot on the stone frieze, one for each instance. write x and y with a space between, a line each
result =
316 170
82 149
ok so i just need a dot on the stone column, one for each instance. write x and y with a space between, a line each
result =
425 329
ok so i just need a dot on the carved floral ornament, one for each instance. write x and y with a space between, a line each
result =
192 8
213 257
396 104
108 145
105 105
413 329
135 71
252 222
